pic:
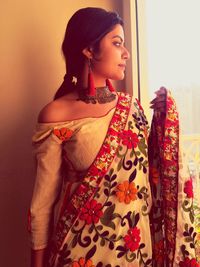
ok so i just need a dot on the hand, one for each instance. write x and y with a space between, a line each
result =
159 102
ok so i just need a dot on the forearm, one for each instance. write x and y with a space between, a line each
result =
38 257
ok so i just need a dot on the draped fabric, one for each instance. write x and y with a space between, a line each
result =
172 215
106 221
131 202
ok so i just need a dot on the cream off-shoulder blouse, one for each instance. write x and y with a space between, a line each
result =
63 151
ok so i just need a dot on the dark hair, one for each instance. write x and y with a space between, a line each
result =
85 29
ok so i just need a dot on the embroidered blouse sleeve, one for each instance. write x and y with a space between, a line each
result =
48 154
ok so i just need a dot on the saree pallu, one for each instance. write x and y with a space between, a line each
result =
174 237
106 221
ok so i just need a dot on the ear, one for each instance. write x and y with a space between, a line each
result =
88 52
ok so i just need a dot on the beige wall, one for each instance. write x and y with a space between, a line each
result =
31 68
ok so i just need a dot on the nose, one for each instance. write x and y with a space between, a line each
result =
126 54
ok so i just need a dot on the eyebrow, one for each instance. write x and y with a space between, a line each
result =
118 36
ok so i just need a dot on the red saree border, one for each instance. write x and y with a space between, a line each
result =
167 131
170 162
95 173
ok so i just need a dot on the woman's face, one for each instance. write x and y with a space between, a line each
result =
110 62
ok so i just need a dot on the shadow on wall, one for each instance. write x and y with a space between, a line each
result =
31 68
26 73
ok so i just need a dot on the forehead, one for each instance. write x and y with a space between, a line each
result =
117 31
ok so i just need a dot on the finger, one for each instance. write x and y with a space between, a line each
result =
158 105
162 90
160 98
163 110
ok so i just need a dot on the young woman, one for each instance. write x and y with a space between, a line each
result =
92 196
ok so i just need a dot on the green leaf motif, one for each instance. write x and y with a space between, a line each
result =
191 215
144 210
184 206
130 257
102 242
143 147
132 153
108 217
188 239
137 153
186 227
130 125
111 172
111 225
119 166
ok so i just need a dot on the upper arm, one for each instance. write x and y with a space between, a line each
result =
45 114
48 182
52 112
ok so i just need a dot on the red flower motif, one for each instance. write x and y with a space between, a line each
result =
130 139
189 263
63 134
188 189
132 239
91 212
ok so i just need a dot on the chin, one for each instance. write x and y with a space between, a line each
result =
117 77
120 78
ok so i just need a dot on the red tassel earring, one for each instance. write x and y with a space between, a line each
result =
91 88
109 84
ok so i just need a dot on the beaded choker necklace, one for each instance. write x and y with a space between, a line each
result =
103 95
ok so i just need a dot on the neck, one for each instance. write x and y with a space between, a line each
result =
83 83
102 95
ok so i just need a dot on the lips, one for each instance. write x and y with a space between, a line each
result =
122 65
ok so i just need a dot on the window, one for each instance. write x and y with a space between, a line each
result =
167 45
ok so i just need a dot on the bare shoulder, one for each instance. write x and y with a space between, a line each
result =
55 111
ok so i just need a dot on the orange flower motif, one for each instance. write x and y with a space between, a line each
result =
63 134
83 263
127 192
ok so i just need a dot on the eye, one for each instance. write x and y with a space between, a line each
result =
117 44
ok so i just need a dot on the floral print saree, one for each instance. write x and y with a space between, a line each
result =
134 207
106 222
